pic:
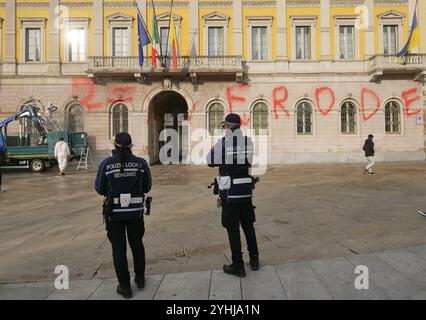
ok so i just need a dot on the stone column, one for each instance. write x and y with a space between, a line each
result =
194 36
53 58
238 27
282 30
98 28
369 31
325 30
9 66
143 8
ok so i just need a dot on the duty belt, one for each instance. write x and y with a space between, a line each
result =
135 200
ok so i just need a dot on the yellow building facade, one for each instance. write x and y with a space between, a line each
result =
316 75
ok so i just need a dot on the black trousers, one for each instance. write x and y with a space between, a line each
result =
232 216
117 236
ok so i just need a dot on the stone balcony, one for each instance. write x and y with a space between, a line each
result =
372 69
194 67
232 68
391 65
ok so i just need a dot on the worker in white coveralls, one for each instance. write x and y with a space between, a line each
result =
62 152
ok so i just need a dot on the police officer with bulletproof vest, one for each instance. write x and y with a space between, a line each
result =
124 179
233 154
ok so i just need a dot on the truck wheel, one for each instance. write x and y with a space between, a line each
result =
37 165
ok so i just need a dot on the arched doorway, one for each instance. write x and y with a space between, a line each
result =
167 115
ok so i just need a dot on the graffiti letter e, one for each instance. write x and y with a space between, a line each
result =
408 102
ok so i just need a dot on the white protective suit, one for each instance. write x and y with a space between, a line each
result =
62 152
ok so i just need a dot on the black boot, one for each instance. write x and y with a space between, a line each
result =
254 262
235 270
125 292
140 281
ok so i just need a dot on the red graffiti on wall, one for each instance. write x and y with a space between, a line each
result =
194 107
409 101
232 98
122 93
84 89
279 102
245 120
318 93
365 91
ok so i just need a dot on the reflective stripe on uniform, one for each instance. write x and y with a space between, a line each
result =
132 201
238 197
125 170
242 181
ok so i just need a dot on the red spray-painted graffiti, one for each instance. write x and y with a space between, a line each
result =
245 120
232 98
279 102
122 93
325 100
408 102
365 91
318 92
84 89
195 105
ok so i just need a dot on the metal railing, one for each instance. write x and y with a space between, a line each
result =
131 64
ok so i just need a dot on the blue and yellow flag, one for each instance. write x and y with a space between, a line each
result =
414 39
143 38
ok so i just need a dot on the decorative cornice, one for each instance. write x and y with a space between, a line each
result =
215 16
215 4
391 14
303 3
119 5
386 3
166 4
259 4
32 5
347 3
77 5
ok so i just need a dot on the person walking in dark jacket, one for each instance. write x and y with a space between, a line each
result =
369 154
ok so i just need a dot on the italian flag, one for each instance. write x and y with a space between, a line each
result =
173 42
154 42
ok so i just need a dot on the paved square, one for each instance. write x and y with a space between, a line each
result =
304 213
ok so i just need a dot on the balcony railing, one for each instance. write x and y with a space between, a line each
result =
184 64
396 62
376 67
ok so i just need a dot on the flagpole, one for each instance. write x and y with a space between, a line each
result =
190 44
168 33
146 28
158 33
144 24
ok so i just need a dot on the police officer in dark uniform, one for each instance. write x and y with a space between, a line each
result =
124 179
233 154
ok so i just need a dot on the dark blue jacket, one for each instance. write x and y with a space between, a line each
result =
134 179
233 154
